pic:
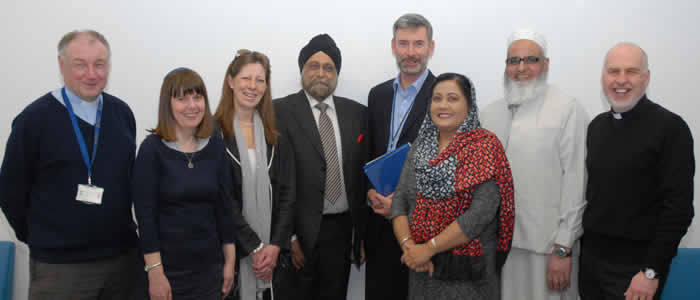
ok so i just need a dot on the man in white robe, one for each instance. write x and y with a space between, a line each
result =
543 131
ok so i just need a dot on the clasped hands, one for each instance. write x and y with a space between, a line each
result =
417 256
265 261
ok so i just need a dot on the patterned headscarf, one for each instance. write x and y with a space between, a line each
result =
446 180
438 182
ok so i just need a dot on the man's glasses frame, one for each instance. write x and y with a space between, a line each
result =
528 60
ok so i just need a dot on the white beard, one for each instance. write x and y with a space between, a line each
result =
517 93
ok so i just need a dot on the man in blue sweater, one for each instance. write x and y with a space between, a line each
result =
64 182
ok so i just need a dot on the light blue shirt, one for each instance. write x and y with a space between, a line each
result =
85 110
401 107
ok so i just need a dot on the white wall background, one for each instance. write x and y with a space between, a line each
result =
149 38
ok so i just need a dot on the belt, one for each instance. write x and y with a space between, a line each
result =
338 215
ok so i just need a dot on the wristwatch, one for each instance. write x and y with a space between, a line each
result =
562 252
650 274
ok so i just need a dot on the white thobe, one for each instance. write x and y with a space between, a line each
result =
544 140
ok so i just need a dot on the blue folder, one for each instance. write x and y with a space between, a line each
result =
384 171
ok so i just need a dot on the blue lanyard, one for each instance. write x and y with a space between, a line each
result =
396 132
79 135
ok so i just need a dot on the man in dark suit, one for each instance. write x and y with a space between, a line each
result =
396 110
326 133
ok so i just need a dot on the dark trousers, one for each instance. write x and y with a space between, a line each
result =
326 270
385 276
110 278
603 278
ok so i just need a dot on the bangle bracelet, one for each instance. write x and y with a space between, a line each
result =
148 268
404 240
433 243
259 248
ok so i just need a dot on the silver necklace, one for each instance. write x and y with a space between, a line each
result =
189 157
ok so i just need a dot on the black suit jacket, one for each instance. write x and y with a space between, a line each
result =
379 105
281 171
296 121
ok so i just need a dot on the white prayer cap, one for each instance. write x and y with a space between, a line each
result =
529 34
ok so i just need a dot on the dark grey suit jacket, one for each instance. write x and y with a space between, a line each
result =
297 123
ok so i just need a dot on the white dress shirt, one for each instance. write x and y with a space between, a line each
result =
341 205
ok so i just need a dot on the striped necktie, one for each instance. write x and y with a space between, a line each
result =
330 152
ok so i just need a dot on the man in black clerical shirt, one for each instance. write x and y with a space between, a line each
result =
640 186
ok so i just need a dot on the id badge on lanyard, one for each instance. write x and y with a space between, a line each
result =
395 133
87 193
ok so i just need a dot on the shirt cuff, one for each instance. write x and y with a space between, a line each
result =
564 238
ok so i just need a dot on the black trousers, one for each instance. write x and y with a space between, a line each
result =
385 276
326 270
605 278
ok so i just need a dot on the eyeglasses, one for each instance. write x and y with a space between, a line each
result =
528 60
327 67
